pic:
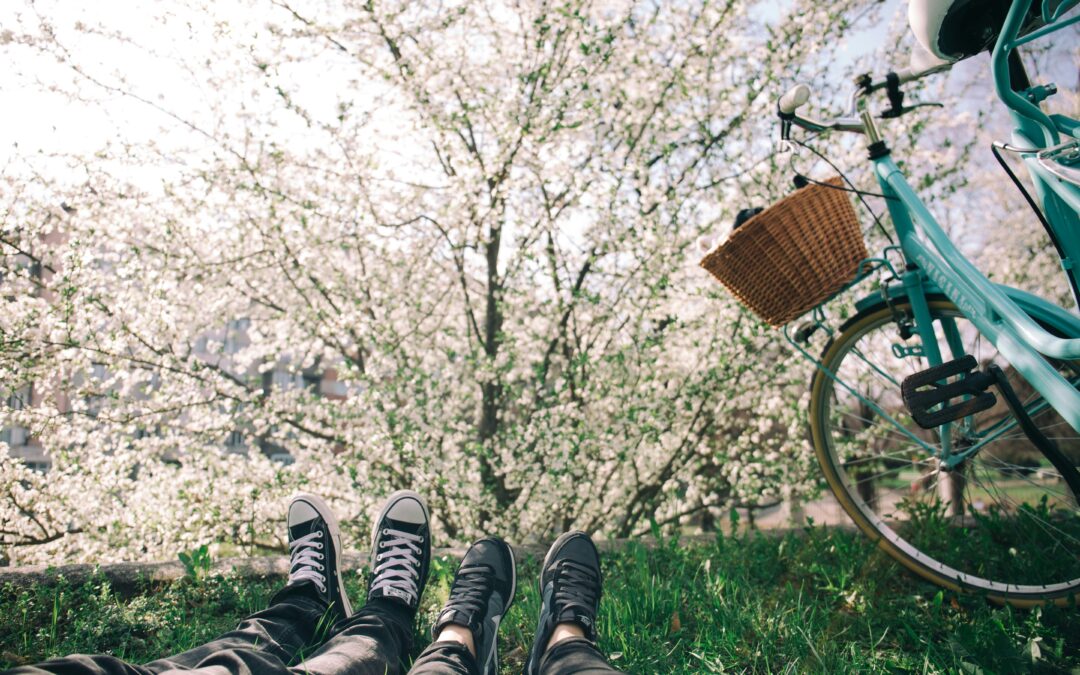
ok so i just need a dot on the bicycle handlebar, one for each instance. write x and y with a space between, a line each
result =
922 64
795 98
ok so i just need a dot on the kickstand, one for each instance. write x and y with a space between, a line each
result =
1034 434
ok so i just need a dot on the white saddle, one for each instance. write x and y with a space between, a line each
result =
957 29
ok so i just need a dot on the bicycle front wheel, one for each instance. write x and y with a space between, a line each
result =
1002 521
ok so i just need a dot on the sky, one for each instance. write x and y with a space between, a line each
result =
38 121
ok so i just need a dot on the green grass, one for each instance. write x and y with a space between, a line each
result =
824 602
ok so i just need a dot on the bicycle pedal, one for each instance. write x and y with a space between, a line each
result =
931 388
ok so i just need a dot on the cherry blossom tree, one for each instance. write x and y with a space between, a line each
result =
479 217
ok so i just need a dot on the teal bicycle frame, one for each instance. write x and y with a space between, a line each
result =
936 266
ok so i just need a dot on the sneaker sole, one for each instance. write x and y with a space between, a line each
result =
494 660
328 516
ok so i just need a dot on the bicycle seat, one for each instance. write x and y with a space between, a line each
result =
957 29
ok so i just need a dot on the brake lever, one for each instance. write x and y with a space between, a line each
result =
896 99
893 113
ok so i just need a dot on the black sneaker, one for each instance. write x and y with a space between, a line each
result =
570 583
482 591
400 550
315 547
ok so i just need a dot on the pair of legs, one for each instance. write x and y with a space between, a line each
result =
465 630
287 637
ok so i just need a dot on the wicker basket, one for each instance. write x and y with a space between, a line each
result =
792 256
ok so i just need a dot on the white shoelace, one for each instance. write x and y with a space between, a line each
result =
305 565
398 567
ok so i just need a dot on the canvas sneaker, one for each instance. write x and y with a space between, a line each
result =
570 584
315 551
400 550
482 591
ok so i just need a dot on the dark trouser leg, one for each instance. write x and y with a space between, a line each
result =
81 664
281 630
265 642
576 655
374 641
445 658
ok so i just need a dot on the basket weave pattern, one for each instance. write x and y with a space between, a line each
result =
792 256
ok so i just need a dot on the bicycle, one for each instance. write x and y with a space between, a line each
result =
968 491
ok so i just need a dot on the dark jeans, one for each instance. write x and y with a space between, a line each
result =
576 655
374 641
